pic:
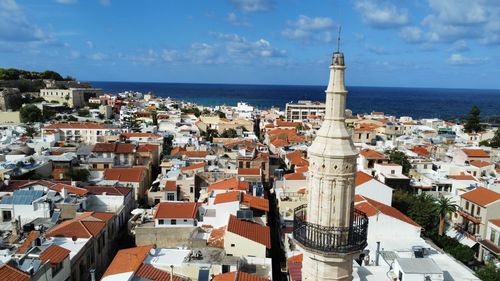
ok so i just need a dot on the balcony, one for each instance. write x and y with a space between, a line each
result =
469 216
330 240
463 229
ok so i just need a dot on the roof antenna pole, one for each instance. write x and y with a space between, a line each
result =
338 39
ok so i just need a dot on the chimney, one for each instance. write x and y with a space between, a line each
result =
73 183
377 253
64 192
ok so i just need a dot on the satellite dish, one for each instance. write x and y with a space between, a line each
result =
152 251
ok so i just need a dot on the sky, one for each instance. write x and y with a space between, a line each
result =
394 43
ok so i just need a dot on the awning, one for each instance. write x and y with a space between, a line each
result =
464 240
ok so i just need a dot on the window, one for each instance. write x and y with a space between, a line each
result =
492 235
161 222
393 172
191 189
185 220
467 205
248 164
173 222
170 196
472 209
6 215
478 212
157 200
232 245
240 164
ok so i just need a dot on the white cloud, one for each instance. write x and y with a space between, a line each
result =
253 5
98 56
411 34
105 2
460 60
15 27
307 29
233 19
382 14
90 44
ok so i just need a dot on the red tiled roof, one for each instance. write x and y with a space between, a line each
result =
476 153
279 143
362 177
463 177
280 123
481 196
27 242
372 154
124 174
421 151
124 148
238 276
109 190
10 273
303 169
170 186
255 202
147 147
104 147
176 210
152 273
480 164
87 225
229 184
71 189
227 197
295 176
295 267
55 254
297 158
496 222
371 207
250 230
193 167
128 260
216 238
249 171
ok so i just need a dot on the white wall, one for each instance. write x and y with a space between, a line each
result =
180 223
375 190
242 246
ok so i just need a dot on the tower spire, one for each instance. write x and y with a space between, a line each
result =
329 230
338 38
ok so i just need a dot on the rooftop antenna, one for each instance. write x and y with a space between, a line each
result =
338 39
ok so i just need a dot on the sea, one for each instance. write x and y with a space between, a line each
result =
449 104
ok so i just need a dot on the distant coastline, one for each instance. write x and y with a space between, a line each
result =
415 102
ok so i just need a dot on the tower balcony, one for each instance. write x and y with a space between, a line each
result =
330 240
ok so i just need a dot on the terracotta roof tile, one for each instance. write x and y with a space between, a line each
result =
421 151
140 135
496 222
27 242
249 171
147 147
152 273
362 178
125 174
227 197
238 276
216 238
481 196
480 164
193 167
255 202
462 177
104 147
87 225
372 154
125 148
295 267
295 176
176 210
128 260
75 126
229 184
55 254
476 153
170 186
10 273
250 230
109 190
371 207
71 189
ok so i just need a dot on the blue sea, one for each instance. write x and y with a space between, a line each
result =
415 102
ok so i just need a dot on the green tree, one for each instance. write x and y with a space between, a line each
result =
444 207
462 253
154 116
229 133
77 174
82 112
220 114
472 121
424 212
31 131
399 157
30 113
48 113
210 134
495 141
489 272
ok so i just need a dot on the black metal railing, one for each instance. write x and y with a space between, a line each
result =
330 239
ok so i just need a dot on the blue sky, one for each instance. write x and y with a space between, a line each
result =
409 43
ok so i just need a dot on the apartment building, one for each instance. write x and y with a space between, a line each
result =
72 97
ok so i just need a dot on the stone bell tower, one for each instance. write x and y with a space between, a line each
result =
329 230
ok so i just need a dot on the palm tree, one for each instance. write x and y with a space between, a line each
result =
444 207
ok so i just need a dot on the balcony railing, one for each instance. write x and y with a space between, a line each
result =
330 239
460 209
